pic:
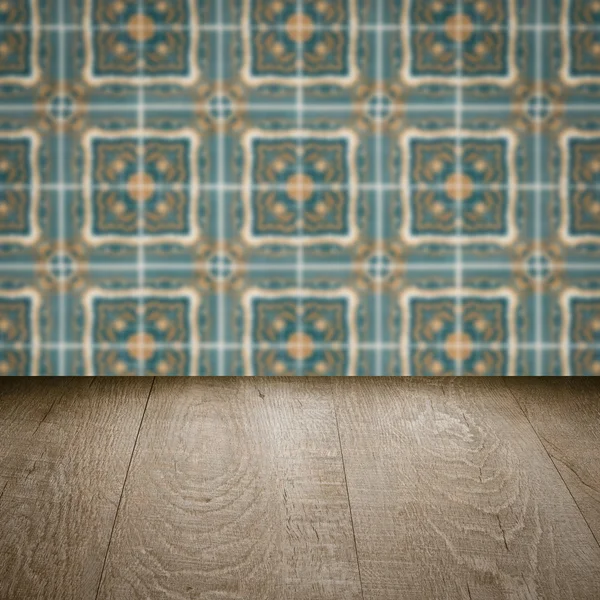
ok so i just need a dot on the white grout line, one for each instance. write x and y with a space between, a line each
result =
379 213
62 311
361 346
189 106
267 187
221 197
539 305
364 27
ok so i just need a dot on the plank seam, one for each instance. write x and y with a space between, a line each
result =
551 459
337 425
112 530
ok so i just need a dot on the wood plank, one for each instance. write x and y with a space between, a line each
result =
25 401
453 496
565 413
24 404
236 490
56 515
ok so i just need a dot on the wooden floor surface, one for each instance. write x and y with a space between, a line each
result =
241 488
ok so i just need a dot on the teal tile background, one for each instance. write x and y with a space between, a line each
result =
306 187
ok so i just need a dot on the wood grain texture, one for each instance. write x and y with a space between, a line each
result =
453 496
565 413
264 488
65 459
236 490
24 403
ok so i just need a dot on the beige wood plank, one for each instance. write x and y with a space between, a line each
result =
24 404
565 413
453 496
25 401
236 491
57 512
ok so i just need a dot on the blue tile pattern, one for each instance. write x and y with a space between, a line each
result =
162 345
302 187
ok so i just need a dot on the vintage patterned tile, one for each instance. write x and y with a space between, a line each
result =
124 171
300 185
433 346
155 332
478 42
580 193
285 46
581 42
466 181
155 44
580 335
19 43
19 335
316 187
20 181
324 344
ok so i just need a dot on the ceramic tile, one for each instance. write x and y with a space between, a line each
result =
306 187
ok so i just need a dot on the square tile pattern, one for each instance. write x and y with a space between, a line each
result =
301 187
